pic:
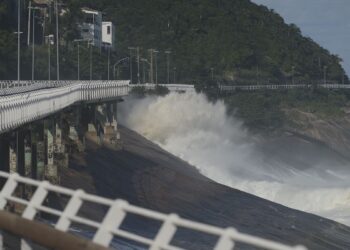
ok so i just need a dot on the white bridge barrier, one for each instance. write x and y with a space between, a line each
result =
170 87
23 107
117 210
231 88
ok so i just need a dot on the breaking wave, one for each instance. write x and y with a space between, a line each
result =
200 132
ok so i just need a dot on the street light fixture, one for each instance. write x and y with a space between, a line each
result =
130 55
144 60
49 42
33 37
57 41
19 43
325 74
168 52
78 45
156 62
118 62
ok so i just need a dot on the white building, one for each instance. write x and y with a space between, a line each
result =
108 35
91 28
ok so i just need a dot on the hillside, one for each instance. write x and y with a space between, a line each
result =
241 41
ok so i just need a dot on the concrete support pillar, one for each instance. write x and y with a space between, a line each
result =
38 151
76 133
51 172
4 153
28 156
59 145
20 152
13 154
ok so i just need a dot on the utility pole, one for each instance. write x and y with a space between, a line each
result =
325 74
33 39
19 44
57 45
109 54
49 40
151 65
90 44
29 15
138 64
143 72
293 68
156 62
33 45
168 52
130 56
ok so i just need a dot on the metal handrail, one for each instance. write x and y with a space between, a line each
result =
110 226
228 88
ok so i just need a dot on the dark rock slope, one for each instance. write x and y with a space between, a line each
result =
146 175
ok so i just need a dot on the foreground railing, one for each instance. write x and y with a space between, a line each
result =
22 108
117 210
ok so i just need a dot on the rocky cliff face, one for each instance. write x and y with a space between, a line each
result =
334 132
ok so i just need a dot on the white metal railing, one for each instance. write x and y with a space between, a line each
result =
10 87
171 87
110 226
229 88
21 108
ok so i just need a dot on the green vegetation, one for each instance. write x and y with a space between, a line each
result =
266 109
241 41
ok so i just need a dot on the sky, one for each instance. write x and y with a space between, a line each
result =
327 22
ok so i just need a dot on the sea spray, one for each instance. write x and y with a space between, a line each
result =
201 133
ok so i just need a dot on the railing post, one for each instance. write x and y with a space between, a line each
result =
165 233
112 220
8 189
225 242
71 209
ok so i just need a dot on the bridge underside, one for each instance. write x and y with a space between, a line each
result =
41 148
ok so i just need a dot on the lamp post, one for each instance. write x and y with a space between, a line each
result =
138 64
49 41
19 42
156 62
151 51
130 56
33 41
78 46
57 45
168 52
144 60
109 55
118 62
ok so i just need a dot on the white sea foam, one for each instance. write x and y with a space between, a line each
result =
201 133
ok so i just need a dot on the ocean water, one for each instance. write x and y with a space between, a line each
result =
200 132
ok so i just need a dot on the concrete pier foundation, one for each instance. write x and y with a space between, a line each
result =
4 153
51 172
13 154
38 151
